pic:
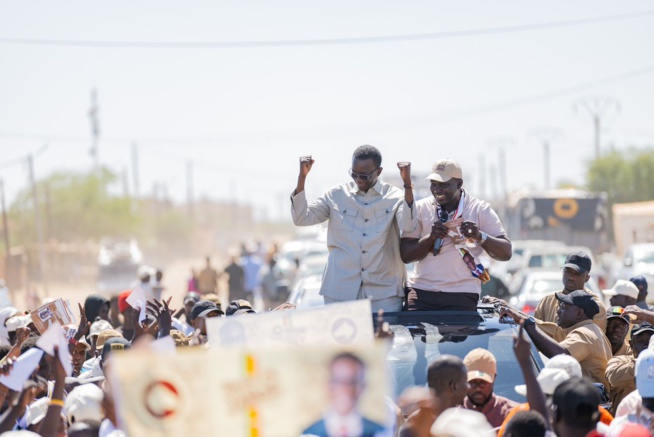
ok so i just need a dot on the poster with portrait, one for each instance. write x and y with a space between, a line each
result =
341 324
56 311
264 393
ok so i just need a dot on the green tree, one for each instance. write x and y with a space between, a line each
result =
626 176
74 207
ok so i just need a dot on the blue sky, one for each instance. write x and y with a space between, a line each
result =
244 115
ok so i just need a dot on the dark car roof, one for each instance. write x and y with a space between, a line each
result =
421 336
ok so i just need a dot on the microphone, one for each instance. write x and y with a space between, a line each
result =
439 241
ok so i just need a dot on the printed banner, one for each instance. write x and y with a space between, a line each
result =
271 393
341 324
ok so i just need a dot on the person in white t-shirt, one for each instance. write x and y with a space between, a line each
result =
454 230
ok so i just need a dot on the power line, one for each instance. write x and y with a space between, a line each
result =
428 119
325 41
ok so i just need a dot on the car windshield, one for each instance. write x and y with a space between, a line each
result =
544 286
415 346
548 261
645 257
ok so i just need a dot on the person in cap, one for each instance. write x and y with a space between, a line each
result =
447 273
557 369
78 355
643 412
621 369
447 377
363 218
96 329
623 293
641 283
237 305
84 405
617 328
576 272
201 311
482 371
583 339
575 404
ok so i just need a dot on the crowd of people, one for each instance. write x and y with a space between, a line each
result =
598 377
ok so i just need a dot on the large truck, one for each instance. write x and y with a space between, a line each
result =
574 217
632 223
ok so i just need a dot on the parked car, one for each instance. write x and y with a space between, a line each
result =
536 284
639 260
422 336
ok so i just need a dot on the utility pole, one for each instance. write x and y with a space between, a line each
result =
501 143
189 187
597 107
39 224
95 128
547 135
135 169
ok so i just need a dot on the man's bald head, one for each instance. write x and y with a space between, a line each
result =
448 377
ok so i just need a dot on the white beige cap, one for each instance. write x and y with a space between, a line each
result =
459 422
445 169
548 379
623 288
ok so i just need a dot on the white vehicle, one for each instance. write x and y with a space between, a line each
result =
306 293
537 284
639 260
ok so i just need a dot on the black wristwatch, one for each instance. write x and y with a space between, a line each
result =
529 322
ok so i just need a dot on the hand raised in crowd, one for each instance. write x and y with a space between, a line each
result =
143 328
306 162
405 171
6 366
640 314
164 315
84 325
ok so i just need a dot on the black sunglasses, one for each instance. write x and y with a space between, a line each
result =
363 177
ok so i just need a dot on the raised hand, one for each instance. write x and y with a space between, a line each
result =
84 325
405 171
306 162
162 312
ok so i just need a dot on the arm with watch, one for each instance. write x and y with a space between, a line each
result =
498 248
544 343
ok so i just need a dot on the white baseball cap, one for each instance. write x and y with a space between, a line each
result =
623 288
459 422
445 169
18 322
562 362
84 404
549 380
99 326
